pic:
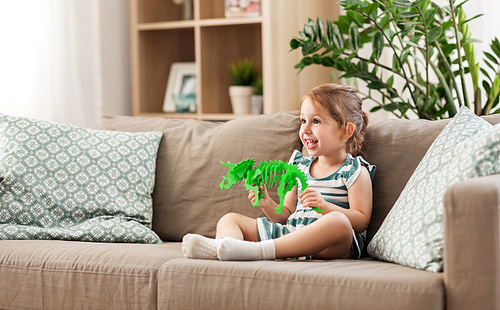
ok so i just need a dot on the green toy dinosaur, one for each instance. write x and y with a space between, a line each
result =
267 174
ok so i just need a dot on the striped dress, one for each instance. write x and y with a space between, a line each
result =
333 188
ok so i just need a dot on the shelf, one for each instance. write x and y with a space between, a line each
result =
183 24
198 116
230 21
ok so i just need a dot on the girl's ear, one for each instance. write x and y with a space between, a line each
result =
349 130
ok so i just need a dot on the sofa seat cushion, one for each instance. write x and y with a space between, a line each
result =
336 284
39 274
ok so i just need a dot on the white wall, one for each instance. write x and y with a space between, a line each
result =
115 53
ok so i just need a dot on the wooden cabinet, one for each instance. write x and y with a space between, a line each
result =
160 37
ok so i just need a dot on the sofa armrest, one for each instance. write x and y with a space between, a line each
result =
472 244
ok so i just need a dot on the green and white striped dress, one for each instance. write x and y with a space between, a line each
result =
333 188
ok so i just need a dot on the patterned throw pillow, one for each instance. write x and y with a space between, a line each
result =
412 233
63 182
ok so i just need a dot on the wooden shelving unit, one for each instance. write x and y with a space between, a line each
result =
159 37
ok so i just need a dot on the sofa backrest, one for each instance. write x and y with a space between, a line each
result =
187 197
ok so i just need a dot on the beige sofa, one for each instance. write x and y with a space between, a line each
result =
187 199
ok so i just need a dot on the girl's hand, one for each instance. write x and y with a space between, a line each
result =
312 198
264 201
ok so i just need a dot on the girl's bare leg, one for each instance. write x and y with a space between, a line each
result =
328 237
237 226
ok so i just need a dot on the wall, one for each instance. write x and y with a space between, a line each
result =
115 55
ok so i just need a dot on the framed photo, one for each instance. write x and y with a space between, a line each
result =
181 88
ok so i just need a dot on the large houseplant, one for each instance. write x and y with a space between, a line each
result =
433 54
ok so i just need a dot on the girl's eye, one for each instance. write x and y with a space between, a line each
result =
316 121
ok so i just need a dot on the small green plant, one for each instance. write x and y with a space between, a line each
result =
244 72
258 85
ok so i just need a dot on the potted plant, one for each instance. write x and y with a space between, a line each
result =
244 74
257 98
432 54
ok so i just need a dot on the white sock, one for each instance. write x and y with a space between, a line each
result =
198 246
233 249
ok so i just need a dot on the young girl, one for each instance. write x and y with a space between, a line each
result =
332 130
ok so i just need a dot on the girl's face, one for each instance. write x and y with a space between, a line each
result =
319 133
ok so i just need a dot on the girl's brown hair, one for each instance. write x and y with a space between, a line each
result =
344 106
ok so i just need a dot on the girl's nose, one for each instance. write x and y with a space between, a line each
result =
306 127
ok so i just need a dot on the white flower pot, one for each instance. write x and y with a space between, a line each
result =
240 98
257 105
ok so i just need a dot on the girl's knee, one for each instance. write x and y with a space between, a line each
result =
236 225
234 219
228 218
338 220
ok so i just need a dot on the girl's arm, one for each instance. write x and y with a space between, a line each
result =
269 206
360 201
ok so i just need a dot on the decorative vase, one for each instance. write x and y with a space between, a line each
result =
240 98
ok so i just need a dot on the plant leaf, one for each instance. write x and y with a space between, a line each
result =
372 8
434 34
309 32
395 63
353 37
306 48
408 14
495 46
491 57
489 65
338 39
486 74
327 61
329 32
468 20
294 44
316 59
486 87
378 45
404 4
414 44
376 85
320 29
390 81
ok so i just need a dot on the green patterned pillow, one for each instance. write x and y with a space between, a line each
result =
412 232
63 182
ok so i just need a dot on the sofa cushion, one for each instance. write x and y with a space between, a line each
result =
50 274
412 233
64 182
336 284
187 197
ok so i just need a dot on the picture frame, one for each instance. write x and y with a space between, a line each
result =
181 81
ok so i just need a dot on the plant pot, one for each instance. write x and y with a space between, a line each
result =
240 98
256 106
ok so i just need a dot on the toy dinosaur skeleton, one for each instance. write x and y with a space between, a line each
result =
266 174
